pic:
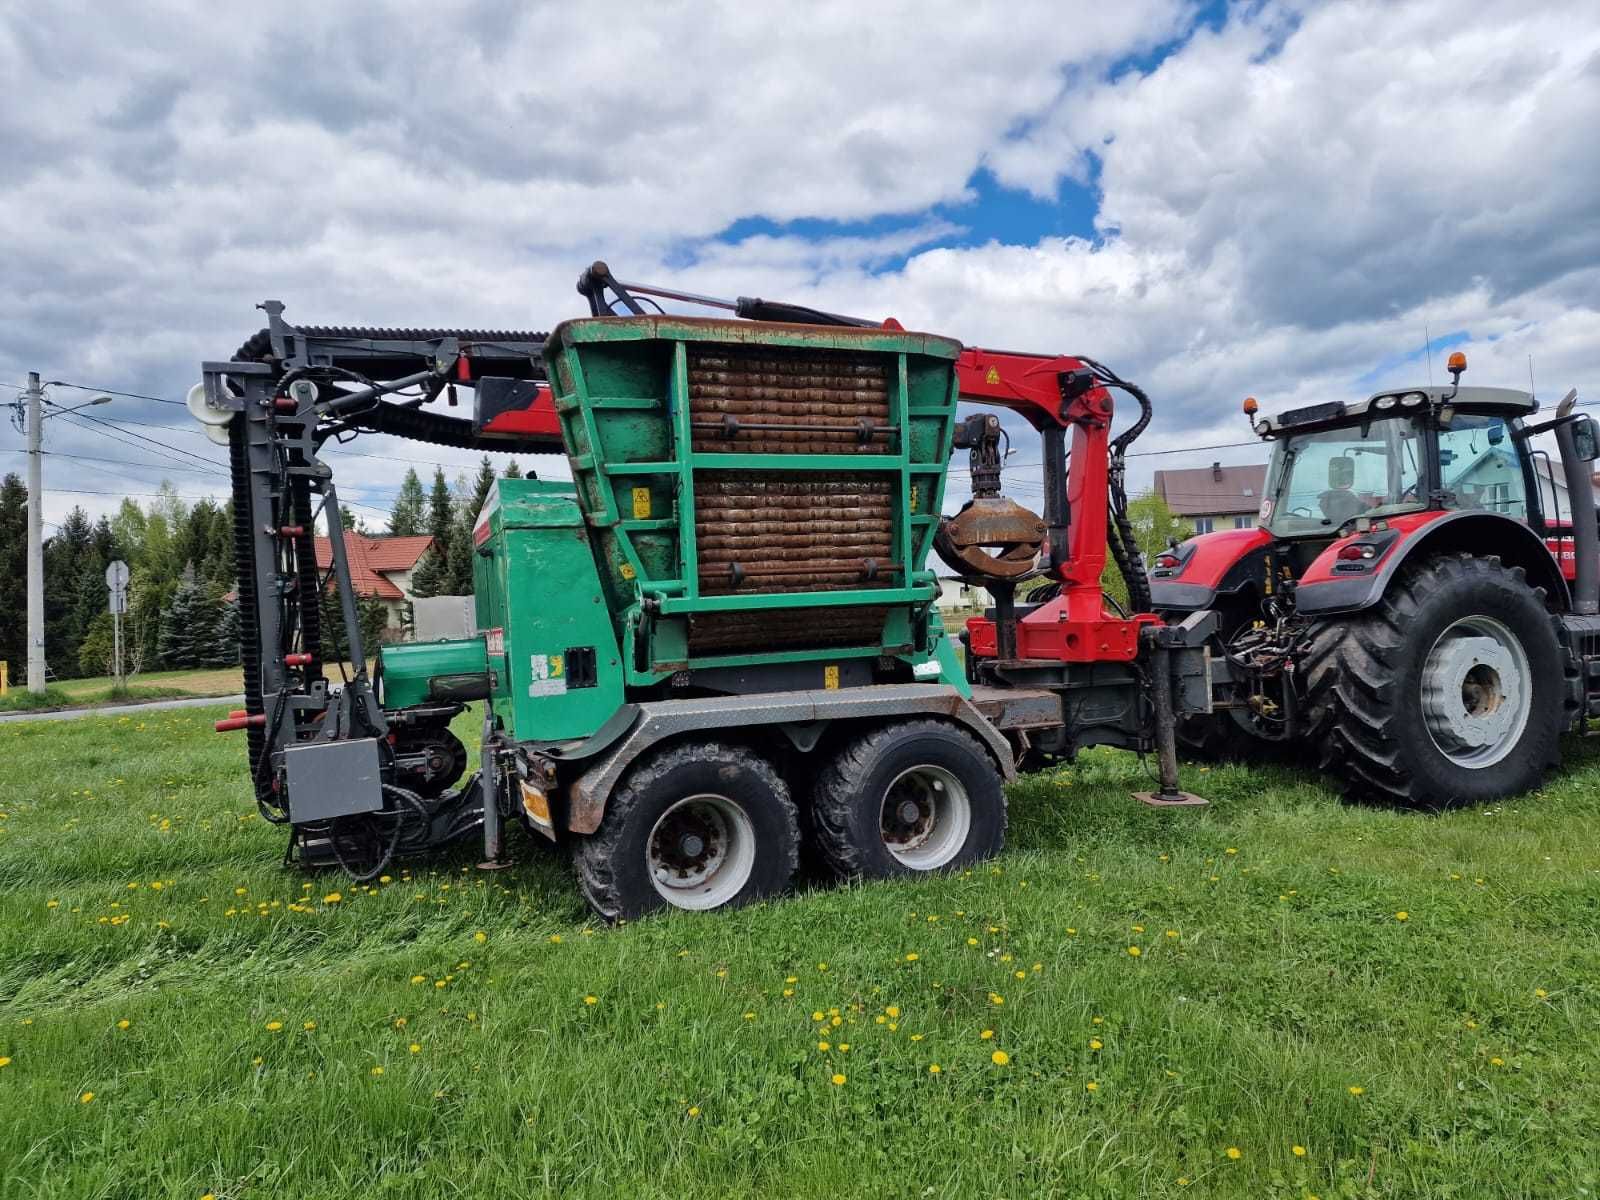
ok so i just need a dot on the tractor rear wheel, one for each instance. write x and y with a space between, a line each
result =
1451 690
908 798
700 826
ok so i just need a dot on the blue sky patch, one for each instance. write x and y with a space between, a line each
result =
1384 374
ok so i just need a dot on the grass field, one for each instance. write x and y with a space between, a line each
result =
1325 1001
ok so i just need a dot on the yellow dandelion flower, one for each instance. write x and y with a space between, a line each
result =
1095 1044
824 1047
694 1110
1230 850
377 1071
1356 1089
332 898
274 1026
1540 993
1134 952
480 937
399 1022
52 904
986 1034
591 999
1497 1061
1234 1153
792 979
788 992
415 1048
916 1037
1402 915
933 1068
86 1098
996 999
838 1080
1071 932
5 1060
1298 1151
309 1026
844 1047
555 939
999 1058
1091 1086
817 1016
972 941
893 1010
911 958
124 1023
1138 928
419 979
749 1016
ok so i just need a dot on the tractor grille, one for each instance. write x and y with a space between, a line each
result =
778 400
785 629
782 531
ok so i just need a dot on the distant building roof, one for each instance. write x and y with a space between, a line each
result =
371 556
1212 491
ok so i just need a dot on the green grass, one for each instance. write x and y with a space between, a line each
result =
1286 980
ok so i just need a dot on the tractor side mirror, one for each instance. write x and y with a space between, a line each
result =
1586 438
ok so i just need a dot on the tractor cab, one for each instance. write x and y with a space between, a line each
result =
1396 453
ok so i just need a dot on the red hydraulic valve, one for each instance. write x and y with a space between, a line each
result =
297 660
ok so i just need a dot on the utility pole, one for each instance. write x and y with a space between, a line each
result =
35 418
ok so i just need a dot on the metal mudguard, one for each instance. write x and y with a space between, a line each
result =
655 721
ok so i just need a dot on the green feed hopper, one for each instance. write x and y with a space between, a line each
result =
758 494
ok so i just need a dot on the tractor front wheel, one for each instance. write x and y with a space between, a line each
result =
1451 690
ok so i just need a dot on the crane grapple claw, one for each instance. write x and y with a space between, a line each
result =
992 537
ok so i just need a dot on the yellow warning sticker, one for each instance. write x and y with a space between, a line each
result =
830 677
626 570
641 504
992 377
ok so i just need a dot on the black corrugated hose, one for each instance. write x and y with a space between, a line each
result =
1120 539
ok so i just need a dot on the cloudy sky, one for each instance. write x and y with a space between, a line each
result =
1217 200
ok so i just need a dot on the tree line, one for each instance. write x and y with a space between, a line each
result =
181 574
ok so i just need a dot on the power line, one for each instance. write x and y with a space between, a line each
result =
165 450
122 462
83 387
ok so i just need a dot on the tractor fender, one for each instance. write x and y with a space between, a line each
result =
1325 589
1210 564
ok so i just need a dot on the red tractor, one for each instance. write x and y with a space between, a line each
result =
1413 606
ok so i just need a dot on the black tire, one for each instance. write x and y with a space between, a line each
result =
847 805
1364 686
1218 738
614 863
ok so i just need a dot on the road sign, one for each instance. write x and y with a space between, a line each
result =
117 581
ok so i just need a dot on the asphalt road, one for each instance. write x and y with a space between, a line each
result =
118 710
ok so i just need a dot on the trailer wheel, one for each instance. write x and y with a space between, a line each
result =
1450 691
700 826
908 798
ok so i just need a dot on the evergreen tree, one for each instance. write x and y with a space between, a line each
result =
14 575
430 577
410 507
64 557
459 561
441 512
514 471
188 624
225 648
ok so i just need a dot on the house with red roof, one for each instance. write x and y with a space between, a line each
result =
381 567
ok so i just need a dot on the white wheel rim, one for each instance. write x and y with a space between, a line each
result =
700 852
925 817
1477 692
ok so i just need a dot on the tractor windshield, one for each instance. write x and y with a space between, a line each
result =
1320 480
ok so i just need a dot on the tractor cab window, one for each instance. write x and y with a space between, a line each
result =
1320 480
1478 463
